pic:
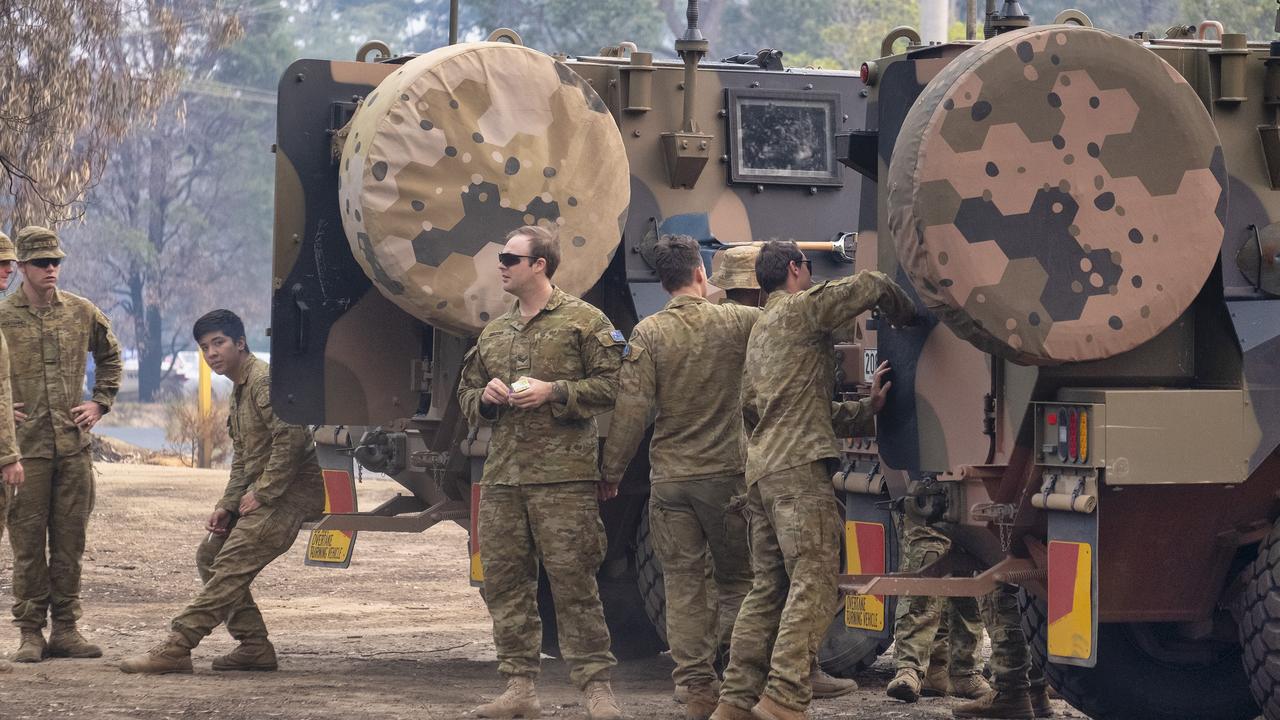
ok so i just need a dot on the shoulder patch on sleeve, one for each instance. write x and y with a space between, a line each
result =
616 335
610 338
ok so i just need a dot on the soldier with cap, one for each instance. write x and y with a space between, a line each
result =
275 485
11 473
538 376
689 349
50 332
794 524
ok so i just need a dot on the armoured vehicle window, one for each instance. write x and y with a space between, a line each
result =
782 137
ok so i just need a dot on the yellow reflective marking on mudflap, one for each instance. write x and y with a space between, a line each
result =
1070 600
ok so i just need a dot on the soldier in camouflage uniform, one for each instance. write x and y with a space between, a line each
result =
538 376
11 473
794 522
685 363
940 635
49 332
275 485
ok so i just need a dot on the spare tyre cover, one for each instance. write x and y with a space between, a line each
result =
462 145
1057 194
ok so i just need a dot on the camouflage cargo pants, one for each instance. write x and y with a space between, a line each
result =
944 630
256 540
1011 668
559 525
795 556
48 519
244 620
687 519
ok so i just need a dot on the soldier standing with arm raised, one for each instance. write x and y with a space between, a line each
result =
685 363
275 485
538 376
49 333
11 474
795 546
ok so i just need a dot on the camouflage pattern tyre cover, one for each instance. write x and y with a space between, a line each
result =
1057 194
459 147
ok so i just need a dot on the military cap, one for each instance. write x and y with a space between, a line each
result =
35 242
7 250
737 270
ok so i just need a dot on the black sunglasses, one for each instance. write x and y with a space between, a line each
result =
46 262
806 262
511 259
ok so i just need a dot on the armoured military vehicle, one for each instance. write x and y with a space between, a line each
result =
1090 405
397 178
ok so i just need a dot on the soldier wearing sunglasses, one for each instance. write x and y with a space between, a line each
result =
538 376
50 332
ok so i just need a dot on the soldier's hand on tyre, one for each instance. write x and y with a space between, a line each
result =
880 387
218 521
86 415
535 395
18 415
495 393
249 503
13 474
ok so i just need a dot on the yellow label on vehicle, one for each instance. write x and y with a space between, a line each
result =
864 612
329 546
1070 600
864 544
332 548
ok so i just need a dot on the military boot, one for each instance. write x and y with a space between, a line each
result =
970 687
67 642
31 648
827 686
936 682
601 704
1040 701
998 704
700 702
681 694
250 654
725 711
519 700
904 686
170 656
770 709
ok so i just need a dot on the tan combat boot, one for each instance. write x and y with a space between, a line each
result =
770 709
827 686
700 702
31 648
66 642
601 704
725 711
904 686
250 654
998 704
520 700
681 694
1040 701
970 687
936 682
170 656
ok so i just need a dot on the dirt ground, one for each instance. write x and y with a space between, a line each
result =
400 634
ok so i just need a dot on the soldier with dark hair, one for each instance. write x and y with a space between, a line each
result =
275 485
50 333
538 376
794 523
689 349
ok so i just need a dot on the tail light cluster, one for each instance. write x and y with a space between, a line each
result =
1069 427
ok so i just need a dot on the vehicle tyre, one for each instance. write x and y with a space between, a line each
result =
1145 671
649 579
1259 622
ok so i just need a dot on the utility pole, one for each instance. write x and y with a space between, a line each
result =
971 20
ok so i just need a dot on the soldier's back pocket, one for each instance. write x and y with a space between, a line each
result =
806 525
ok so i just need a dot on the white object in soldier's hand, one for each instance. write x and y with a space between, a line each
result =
520 385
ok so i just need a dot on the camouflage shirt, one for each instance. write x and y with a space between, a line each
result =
687 361
8 438
48 353
790 370
569 343
274 459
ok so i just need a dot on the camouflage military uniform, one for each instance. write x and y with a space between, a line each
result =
918 628
685 362
539 502
277 462
48 348
8 438
794 522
